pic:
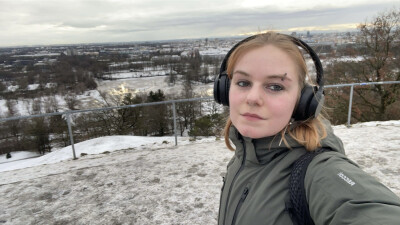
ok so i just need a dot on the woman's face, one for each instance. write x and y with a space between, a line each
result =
263 92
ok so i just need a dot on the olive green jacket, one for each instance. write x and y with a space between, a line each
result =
255 187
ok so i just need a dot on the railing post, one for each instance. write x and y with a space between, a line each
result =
70 133
350 105
174 113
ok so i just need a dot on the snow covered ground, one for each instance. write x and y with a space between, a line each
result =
18 155
138 74
147 84
90 99
147 180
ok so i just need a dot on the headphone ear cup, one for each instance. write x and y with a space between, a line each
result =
221 89
225 84
310 103
216 90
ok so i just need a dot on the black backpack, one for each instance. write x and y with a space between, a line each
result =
297 205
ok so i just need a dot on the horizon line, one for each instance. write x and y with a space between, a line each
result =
314 29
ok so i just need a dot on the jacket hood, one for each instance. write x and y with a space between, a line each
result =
263 150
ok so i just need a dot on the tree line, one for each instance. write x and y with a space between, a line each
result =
378 45
44 133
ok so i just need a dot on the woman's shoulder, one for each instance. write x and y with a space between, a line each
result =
336 173
339 188
331 169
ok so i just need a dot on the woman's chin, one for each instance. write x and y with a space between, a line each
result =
251 133
255 133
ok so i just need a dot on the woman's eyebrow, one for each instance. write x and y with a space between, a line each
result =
241 72
281 76
271 76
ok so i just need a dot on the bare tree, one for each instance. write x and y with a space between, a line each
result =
119 121
13 128
72 101
377 44
51 105
187 111
38 134
2 87
157 116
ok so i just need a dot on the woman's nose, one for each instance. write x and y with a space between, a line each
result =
254 96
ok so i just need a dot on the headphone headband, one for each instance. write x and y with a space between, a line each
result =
225 61
314 57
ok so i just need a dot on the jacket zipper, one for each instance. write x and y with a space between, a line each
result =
234 178
239 205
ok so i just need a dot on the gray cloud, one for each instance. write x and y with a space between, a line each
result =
82 21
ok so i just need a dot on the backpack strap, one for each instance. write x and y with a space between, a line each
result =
297 205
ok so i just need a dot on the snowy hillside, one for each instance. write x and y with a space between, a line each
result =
143 180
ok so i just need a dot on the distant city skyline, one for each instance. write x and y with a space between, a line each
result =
47 22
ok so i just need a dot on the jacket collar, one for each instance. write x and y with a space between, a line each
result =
264 150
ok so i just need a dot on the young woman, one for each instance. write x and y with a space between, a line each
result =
273 121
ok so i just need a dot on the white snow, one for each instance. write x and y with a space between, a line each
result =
214 51
93 146
23 107
12 88
138 74
18 155
51 85
32 87
3 108
343 59
140 180
350 59
147 84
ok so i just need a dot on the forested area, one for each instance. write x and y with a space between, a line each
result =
379 48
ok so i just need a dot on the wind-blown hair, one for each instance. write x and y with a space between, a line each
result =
308 133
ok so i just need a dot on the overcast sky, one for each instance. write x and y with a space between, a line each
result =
32 22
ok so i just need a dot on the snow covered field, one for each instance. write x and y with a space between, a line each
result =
147 84
91 99
146 180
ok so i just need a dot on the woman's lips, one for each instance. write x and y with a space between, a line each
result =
251 116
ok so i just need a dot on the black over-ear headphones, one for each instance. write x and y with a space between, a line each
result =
311 98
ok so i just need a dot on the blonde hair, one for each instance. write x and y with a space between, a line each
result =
308 133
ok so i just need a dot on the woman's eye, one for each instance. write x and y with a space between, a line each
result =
275 87
243 83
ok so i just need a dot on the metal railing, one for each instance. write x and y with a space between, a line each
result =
70 112
352 90
173 102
